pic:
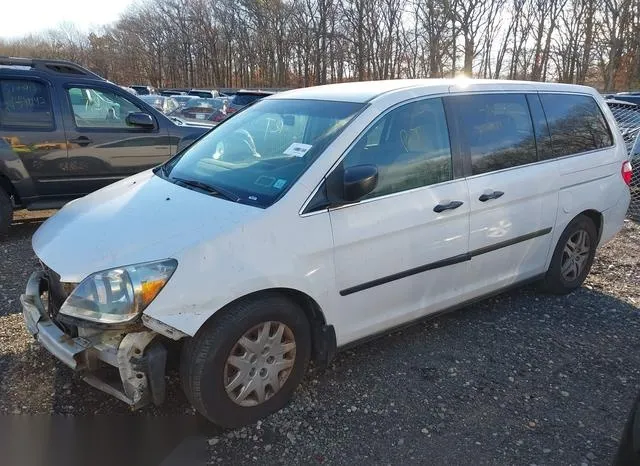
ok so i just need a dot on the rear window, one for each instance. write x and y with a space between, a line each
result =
576 124
25 104
203 94
246 99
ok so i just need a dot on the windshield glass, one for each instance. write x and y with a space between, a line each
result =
260 152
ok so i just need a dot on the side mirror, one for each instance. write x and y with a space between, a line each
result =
351 184
141 119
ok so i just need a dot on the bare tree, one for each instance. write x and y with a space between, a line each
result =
288 43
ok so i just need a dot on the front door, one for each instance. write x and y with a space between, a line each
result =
103 148
400 252
513 199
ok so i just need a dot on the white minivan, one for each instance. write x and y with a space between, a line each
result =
319 217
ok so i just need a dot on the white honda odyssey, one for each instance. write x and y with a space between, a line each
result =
318 217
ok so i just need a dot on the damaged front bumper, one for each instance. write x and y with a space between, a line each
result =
137 356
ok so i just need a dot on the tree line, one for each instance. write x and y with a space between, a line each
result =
292 43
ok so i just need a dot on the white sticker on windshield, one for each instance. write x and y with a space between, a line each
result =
297 149
280 183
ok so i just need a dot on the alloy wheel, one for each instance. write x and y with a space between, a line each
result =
575 255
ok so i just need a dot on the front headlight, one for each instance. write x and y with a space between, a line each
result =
118 295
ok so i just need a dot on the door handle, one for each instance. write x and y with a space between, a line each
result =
493 195
81 141
450 206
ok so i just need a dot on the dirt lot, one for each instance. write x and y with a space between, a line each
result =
523 378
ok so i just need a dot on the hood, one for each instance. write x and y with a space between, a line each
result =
139 219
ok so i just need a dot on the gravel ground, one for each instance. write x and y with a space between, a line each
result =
523 378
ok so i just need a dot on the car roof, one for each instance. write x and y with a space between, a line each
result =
365 91
46 66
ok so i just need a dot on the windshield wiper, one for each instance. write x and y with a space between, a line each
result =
213 190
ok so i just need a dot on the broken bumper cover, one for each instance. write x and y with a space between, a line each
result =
139 359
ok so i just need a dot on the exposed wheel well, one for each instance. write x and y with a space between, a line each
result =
6 185
323 344
597 219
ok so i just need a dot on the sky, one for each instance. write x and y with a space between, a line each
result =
22 17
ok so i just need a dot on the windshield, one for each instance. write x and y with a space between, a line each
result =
259 153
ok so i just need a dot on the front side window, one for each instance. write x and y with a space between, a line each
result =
576 123
97 108
497 129
409 146
259 153
25 104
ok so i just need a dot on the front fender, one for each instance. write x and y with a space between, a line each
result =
264 253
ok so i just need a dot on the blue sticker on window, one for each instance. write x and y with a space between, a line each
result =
279 183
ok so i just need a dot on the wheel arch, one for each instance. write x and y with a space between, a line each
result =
323 337
7 187
597 219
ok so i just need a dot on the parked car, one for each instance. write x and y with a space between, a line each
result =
183 99
204 93
243 98
143 90
212 110
319 217
69 132
172 92
632 96
161 103
227 92
130 90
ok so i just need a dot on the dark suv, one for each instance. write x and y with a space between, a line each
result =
65 132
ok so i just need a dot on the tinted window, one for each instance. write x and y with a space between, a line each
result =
576 123
497 129
246 99
25 103
96 108
203 94
410 147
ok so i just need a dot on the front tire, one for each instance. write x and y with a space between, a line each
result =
572 257
246 363
6 213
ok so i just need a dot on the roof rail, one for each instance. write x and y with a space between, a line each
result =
57 66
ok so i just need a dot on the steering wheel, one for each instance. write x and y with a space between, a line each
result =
111 114
239 146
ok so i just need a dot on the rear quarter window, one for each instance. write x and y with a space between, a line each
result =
25 103
576 124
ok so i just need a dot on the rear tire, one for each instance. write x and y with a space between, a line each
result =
246 363
6 213
572 257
